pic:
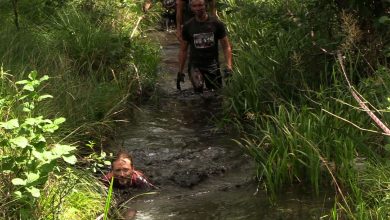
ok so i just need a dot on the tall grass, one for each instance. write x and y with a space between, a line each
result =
96 66
73 195
96 70
289 97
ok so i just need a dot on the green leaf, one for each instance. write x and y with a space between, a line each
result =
22 82
11 124
102 155
18 182
58 121
38 155
31 121
21 142
60 149
44 78
32 177
28 87
50 128
26 109
107 163
18 194
32 75
39 139
42 97
70 159
34 191
384 19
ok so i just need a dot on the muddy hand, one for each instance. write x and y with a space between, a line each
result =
180 78
227 74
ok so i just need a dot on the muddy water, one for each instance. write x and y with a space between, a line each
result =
201 172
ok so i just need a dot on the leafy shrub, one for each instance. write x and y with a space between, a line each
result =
27 155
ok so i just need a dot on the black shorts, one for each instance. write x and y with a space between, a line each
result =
211 74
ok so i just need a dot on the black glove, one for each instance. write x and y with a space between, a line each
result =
180 78
227 73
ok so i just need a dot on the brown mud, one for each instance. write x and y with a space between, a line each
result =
201 171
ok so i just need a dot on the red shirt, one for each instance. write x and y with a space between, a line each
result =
138 180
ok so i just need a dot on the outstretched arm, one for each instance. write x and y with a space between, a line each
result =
227 51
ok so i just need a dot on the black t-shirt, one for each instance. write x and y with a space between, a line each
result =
203 39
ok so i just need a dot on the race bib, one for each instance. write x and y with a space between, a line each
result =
204 40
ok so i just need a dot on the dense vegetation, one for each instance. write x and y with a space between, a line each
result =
302 120
70 68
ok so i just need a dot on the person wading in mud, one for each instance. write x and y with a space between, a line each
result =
202 34
126 177
184 13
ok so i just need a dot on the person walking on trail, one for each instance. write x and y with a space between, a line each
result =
202 34
184 13
169 15
125 176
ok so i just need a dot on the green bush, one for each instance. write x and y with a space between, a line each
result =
27 154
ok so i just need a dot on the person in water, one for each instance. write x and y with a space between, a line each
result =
184 13
125 175
201 36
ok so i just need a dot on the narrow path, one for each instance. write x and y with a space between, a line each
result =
203 174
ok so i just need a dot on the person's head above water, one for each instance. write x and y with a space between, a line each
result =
122 168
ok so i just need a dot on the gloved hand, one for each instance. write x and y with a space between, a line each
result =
227 73
180 78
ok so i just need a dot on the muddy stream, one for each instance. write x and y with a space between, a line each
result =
201 172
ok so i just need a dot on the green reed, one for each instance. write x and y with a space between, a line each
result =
301 121
108 200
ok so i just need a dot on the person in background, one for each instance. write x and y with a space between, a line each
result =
184 13
169 15
201 34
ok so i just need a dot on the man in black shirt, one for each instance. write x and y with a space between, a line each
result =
202 34
184 13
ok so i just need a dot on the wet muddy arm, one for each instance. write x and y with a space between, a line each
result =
179 18
227 51
213 8
182 55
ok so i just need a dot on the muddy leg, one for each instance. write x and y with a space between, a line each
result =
197 80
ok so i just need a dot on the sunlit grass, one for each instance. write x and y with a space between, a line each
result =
303 125
73 195
95 71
